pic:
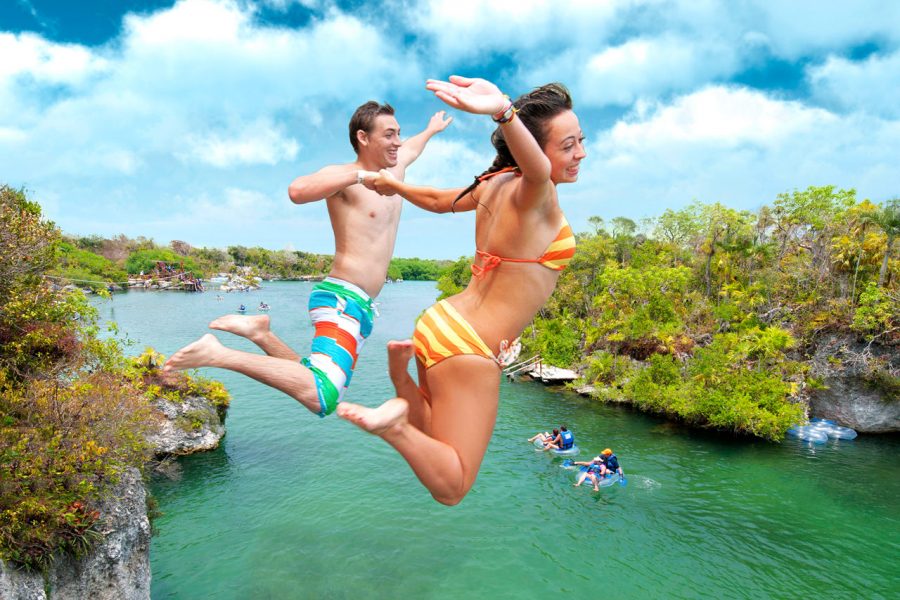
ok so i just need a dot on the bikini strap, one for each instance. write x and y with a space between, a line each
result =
492 261
487 176
488 261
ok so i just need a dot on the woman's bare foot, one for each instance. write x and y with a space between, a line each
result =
400 352
251 327
201 353
379 421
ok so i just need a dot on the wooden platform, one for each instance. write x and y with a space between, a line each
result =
548 374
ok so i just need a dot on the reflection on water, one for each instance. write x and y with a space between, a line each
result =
293 506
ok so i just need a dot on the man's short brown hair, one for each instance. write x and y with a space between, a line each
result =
364 119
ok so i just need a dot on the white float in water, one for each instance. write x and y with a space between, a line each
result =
808 434
819 430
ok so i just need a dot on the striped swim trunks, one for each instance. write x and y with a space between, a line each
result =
441 332
343 315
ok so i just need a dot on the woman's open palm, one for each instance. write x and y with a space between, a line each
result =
472 95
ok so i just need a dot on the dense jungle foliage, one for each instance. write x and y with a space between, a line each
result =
705 313
74 411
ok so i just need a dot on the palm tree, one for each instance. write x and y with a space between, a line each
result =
888 218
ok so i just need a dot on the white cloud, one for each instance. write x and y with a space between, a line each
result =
202 73
28 55
464 29
235 207
638 68
448 163
871 85
259 142
734 146
720 116
805 27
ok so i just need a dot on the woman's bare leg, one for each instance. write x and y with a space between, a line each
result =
400 352
256 329
464 397
285 375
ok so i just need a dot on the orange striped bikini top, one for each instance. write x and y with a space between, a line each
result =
557 255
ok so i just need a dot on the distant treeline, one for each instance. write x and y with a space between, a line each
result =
113 260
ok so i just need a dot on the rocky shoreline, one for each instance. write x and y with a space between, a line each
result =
847 395
118 568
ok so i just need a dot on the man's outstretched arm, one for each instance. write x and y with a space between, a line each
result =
322 184
412 148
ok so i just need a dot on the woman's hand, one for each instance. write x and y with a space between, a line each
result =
472 95
383 182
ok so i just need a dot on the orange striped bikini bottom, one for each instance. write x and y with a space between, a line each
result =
441 332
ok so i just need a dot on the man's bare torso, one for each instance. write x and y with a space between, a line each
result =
365 230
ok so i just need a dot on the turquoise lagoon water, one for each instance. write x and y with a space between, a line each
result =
293 506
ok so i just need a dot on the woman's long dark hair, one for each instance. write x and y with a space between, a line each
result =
535 109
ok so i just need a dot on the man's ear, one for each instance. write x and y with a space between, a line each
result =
362 137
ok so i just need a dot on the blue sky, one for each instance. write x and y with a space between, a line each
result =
187 120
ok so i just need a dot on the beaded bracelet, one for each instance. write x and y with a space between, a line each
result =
507 114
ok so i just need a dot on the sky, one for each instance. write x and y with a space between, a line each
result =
187 120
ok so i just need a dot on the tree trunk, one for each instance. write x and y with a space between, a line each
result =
884 263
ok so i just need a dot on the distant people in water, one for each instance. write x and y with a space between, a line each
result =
594 471
610 463
563 439
542 437
365 224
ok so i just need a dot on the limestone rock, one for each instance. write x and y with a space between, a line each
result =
117 569
851 399
193 425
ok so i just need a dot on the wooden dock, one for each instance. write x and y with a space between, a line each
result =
535 368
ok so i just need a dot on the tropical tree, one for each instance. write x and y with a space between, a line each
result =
888 218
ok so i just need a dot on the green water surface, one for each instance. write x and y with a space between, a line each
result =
293 506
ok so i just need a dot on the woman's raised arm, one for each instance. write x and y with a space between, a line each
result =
479 96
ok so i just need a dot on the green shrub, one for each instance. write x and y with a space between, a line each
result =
74 412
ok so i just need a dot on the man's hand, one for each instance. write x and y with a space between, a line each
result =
438 123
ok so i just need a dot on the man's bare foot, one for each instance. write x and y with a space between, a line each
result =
399 354
248 326
201 353
378 421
